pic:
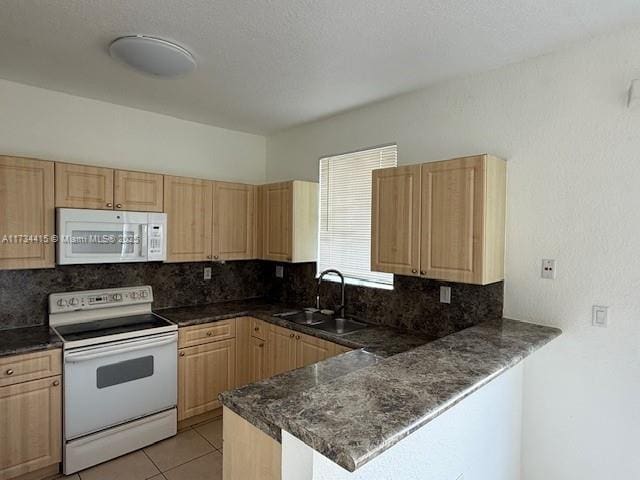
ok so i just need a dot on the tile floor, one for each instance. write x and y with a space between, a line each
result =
194 454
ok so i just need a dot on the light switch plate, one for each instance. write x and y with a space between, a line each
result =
279 271
445 294
600 316
548 269
207 273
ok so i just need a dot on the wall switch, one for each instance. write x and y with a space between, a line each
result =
445 294
279 271
207 273
548 269
600 316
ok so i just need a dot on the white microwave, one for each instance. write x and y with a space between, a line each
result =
103 236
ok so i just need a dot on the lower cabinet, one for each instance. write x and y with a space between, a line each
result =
204 371
310 350
257 359
281 350
30 426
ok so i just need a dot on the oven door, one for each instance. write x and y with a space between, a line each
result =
90 236
112 384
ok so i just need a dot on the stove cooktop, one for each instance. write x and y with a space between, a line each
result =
111 326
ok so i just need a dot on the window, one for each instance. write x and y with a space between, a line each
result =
345 213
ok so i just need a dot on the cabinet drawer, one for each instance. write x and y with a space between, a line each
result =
31 366
258 329
208 332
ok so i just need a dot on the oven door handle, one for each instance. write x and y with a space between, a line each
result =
83 357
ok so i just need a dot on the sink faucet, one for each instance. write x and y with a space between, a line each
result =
320 277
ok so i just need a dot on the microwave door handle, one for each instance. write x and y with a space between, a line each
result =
143 247
79 357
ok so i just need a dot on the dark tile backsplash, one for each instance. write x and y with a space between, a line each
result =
413 304
24 293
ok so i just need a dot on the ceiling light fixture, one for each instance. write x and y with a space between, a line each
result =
152 56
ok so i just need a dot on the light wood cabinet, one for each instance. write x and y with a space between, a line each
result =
281 350
84 186
249 453
138 191
310 350
463 215
442 220
188 203
26 208
234 221
205 333
204 371
289 221
395 220
258 359
30 366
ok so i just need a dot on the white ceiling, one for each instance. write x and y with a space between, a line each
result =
264 65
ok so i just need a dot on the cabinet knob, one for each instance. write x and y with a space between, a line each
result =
215 257
414 270
255 329
109 205
261 345
9 372
291 335
181 354
422 272
288 259
209 257
56 383
118 205
297 337
209 334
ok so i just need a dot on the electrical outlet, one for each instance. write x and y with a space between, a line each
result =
445 294
207 273
548 269
600 316
279 271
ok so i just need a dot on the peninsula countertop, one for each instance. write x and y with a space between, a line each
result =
353 407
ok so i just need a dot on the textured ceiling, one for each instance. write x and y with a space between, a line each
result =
264 65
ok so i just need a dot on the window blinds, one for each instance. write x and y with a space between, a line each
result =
345 212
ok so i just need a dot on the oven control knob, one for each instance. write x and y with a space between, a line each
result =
62 302
144 294
117 297
74 301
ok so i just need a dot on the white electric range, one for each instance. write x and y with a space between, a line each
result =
120 373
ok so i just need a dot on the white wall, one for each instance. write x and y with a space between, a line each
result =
477 439
55 126
573 151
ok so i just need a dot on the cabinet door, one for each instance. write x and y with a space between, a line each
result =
26 208
395 220
188 203
138 191
30 426
82 186
204 372
452 210
257 354
310 350
234 221
281 350
277 221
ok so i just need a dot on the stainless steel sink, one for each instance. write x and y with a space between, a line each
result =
321 321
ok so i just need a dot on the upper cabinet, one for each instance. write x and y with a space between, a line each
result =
188 203
289 221
138 191
450 216
26 208
395 221
82 186
234 221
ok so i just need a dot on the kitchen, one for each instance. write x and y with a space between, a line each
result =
187 321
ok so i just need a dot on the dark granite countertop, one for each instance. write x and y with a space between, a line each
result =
15 341
350 414
382 341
